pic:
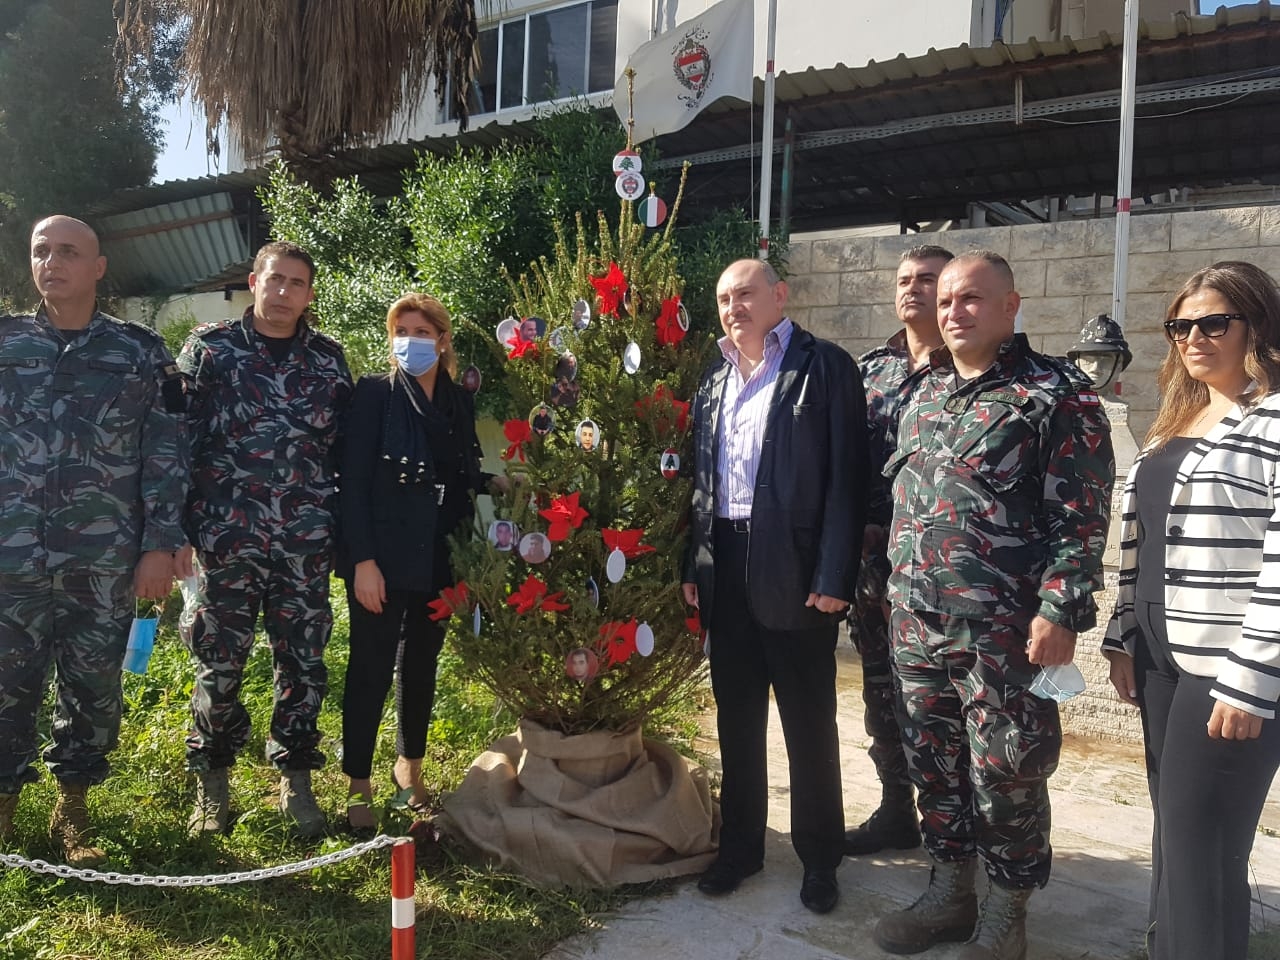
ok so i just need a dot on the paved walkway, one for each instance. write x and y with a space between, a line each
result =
1094 906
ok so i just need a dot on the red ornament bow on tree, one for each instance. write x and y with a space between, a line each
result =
533 595
628 541
663 400
617 642
610 289
452 600
693 623
517 433
564 513
668 322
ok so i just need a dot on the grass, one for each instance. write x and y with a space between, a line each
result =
465 910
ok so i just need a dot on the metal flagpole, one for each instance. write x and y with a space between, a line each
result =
766 139
1124 180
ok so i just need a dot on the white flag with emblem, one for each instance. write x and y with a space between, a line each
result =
693 64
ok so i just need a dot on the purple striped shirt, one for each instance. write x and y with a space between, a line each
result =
745 411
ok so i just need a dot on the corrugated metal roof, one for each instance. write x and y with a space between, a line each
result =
933 172
170 245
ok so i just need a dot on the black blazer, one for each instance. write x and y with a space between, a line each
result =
400 525
812 487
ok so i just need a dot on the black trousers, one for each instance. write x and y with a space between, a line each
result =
746 659
1207 796
402 643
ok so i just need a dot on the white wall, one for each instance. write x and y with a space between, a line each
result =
204 307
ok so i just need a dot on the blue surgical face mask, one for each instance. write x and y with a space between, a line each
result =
416 355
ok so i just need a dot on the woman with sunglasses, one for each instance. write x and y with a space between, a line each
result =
1195 639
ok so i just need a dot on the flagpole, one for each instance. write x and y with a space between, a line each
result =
766 140
1124 178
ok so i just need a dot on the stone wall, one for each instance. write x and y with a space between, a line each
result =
842 289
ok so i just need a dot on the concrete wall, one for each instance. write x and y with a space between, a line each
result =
202 307
842 289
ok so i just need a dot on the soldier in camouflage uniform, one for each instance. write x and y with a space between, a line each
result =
266 393
93 474
890 374
1003 473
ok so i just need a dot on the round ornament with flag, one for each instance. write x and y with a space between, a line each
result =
652 210
627 161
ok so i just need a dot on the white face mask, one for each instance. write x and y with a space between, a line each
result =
416 355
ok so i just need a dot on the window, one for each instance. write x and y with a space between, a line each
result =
545 56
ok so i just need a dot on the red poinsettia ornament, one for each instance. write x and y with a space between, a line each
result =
533 595
521 348
564 514
628 541
659 404
617 642
610 289
451 600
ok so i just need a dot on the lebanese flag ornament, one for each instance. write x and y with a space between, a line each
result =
652 211
626 161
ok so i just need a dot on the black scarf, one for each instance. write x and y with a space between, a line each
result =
405 434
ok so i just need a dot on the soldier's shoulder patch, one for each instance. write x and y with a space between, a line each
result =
1085 398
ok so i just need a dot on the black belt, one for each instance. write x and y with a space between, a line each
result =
738 525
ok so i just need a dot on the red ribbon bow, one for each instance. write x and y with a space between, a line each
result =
693 623
628 541
564 513
610 289
668 322
517 433
617 641
451 600
532 595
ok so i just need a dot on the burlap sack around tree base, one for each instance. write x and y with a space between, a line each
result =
597 809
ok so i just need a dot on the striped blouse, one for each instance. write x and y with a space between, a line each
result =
1222 560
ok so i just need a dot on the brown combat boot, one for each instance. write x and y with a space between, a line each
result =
8 807
212 813
1001 933
70 827
945 913
298 803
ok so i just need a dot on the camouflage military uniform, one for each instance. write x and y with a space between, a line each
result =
1001 494
889 382
261 517
93 472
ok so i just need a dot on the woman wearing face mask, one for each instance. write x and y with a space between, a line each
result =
410 464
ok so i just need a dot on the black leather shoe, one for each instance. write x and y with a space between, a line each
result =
721 878
893 827
819 891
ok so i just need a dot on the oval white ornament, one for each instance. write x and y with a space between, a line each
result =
631 358
506 331
616 566
475 621
644 640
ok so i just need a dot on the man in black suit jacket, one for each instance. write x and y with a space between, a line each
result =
781 472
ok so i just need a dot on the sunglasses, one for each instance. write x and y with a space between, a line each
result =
1213 325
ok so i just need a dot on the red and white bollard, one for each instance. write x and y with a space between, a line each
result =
402 908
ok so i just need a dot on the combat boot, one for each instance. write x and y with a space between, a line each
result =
1001 933
69 827
8 807
946 912
298 803
212 811
895 825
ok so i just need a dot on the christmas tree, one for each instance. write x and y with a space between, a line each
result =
569 605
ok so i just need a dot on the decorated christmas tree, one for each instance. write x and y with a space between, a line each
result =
569 604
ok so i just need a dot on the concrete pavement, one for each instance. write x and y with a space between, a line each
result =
1094 906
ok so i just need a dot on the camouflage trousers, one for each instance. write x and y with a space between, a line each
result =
293 596
880 696
80 624
980 748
